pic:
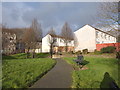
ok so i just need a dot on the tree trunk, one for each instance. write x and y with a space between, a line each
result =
28 53
51 51
66 48
33 54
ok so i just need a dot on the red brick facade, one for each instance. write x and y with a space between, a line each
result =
100 46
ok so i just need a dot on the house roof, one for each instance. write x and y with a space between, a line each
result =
7 30
99 30
102 31
58 36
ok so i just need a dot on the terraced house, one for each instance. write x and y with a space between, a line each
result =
59 44
88 37
8 41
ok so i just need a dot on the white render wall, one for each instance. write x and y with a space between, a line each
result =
59 42
45 44
37 50
85 38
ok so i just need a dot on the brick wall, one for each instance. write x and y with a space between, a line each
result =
100 46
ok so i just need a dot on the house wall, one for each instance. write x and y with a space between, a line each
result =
100 46
37 50
45 43
59 43
102 37
85 38
11 45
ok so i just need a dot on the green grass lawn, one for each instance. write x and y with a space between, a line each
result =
24 55
93 76
22 73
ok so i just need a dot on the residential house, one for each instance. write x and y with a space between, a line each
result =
59 44
88 36
8 41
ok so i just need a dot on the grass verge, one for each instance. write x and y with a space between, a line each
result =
24 55
22 73
93 76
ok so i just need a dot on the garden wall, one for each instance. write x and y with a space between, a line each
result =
99 46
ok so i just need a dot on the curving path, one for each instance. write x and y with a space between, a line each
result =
59 77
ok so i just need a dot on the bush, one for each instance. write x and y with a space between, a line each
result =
42 55
78 52
97 52
71 52
85 51
118 55
109 49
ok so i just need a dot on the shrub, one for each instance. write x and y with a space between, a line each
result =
109 49
78 52
118 55
42 55
85 51
97 52
71 52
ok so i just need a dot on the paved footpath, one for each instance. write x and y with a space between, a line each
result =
59 77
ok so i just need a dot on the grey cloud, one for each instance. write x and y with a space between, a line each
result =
50 14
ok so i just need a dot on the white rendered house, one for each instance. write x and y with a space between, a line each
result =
88 36
59 42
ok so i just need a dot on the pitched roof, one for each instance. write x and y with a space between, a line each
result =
99 30
58 36
102 31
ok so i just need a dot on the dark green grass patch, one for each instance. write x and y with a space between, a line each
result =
24 72
93 76
24 55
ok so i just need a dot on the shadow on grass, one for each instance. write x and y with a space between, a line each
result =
81 65
24 56
108 82
85 62
4 57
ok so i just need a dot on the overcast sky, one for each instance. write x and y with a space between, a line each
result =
18 14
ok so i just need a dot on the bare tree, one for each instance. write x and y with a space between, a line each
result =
67 34
32 36
76 43
52 31
109 17
38 33
51 40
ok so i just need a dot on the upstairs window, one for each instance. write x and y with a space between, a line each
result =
105 36
97 34
61 40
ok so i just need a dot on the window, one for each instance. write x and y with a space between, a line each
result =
61 40
101 34
55 39
105 36
97 42
69 41
109 37
97 33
